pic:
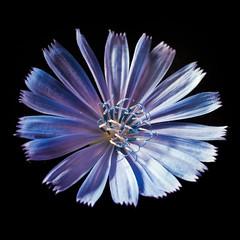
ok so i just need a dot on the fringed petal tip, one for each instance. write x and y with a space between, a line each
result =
166 193
223 132
193 177
51 186
199 173
212 98
214 154
177 188
51 48
217 99
18 126
27 152
163 194
33 73
166 47
18 133
21 96
198 73
24 94
88 203
134 204
113 34
146 37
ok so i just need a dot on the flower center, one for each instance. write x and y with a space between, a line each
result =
126 124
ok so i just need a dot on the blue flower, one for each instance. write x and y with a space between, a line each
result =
126 129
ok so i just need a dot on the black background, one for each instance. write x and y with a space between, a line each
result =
196 206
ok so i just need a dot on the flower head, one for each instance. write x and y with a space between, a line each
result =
126 130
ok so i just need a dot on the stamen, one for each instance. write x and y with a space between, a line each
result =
124 125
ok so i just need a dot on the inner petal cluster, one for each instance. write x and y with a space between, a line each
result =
126 125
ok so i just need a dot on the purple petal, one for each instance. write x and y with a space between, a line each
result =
139 60
43 84
175 87
190 130
71 74
49 148
93 186
74 167
116 63
160 177
146 185
34 127
158 62
123 183
202 151
193 106
93 65
48 106
177 162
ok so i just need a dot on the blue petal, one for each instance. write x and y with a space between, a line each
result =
177 162
49 148
48 106
146 185
71 74
123 183
116 64
34 127
94 184
93 65
158 62
161 178
175 87
43 84
190 130
74 167
139 60
193 106
202 151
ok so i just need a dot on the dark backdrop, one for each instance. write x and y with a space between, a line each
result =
205 202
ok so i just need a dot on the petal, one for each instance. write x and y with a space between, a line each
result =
158 63
175 87
116 64
48 106
33 127
139 60
123 183
71 74
190 130
160 177
93 186
202 151
74 167
146 185
193 106
43 84
93 65
49 148
178 163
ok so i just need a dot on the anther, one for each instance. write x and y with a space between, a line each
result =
123 125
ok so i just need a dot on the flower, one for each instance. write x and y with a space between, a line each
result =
126 130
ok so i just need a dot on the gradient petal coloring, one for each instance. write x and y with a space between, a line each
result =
132 139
